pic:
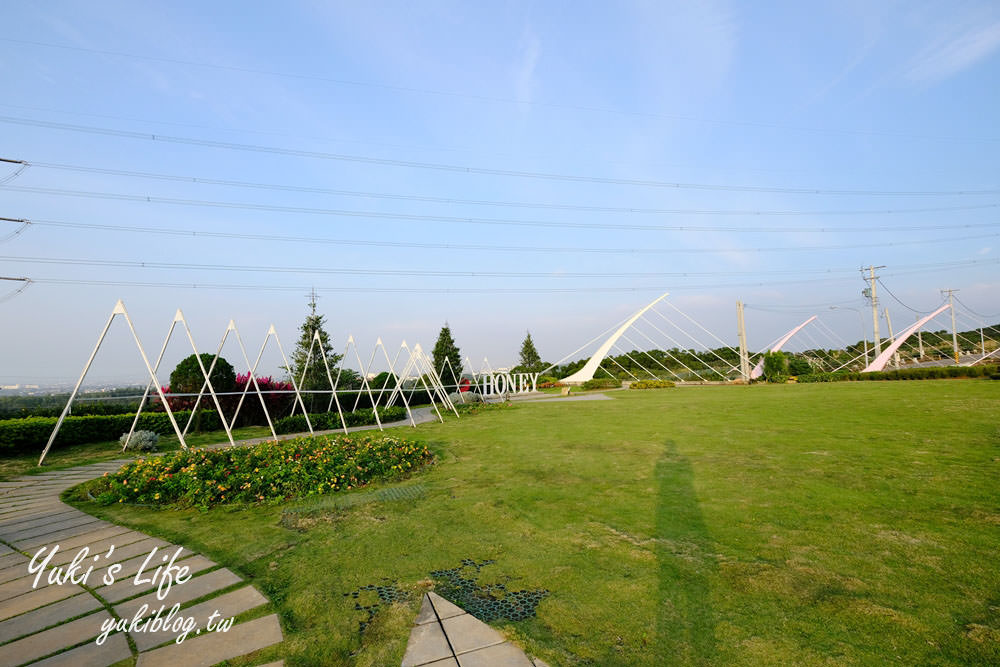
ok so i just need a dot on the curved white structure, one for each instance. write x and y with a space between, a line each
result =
588 370
758 370
882 359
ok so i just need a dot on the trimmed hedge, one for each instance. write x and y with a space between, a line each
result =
602 383
31 433
930 373
264 472
330 421
651 384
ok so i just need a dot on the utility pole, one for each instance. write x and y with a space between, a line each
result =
744 357
873 296
954 331
892 337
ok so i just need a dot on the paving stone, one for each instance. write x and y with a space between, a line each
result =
538 662
468 633
61 535
132 565
228 606
426 614
12 563
39 619
189 590
13 522
4 549
114 649
447 662
13 509
280 663
498 655
36 599
37 645
444 608
127 544
21 585
45 528
427 644
215 647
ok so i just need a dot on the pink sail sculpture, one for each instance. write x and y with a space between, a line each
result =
758 370
882 359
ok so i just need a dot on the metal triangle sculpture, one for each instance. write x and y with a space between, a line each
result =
416 361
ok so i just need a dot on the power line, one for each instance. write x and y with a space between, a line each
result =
974 312
313 240
434 273
483 202
484 98
149 199
487 171
257 268
921 312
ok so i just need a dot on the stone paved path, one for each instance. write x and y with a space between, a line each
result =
444 635
57 624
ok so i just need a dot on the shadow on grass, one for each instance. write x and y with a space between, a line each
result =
685 620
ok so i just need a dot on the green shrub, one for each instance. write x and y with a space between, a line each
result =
602 383
141 441
31 433
330 421
775 367
927 373
798 366
187 377
267 471
651 384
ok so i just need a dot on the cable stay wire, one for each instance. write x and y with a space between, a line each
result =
256 185
483 98
312 240
483 171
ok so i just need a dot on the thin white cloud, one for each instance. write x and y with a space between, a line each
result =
525 81
955 53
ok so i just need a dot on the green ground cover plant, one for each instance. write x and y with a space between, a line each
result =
651 384
295 468
602 383
846 523
927 373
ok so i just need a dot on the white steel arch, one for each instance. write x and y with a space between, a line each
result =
758 370
588 370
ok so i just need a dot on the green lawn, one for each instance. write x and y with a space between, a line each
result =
810 524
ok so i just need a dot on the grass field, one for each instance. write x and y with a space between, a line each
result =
849 523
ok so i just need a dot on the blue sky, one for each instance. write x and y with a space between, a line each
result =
820 122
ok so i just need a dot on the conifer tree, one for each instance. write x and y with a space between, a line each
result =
445 348
315 372
530 360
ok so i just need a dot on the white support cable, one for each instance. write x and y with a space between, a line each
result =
646 352
582 347
679 347
674 324
615 361
630 358
697 324
691 370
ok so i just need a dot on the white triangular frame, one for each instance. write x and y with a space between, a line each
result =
119 309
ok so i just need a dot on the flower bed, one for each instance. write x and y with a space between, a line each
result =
268 471
651 384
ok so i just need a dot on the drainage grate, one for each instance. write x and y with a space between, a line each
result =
387 593
487 603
